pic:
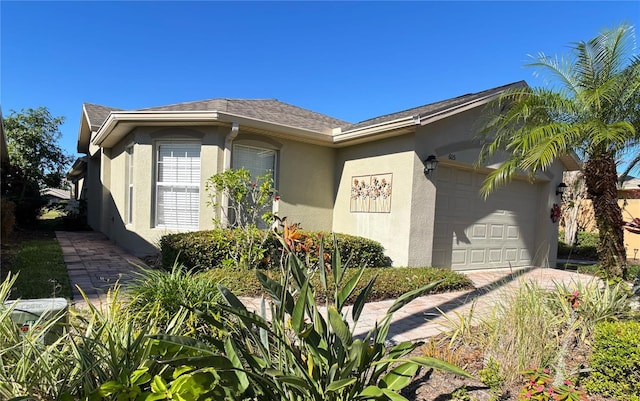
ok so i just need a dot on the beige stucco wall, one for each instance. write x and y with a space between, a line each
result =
94 193
631 209
392 156
305 182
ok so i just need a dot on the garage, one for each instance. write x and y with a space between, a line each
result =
470 233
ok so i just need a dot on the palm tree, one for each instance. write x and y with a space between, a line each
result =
594 111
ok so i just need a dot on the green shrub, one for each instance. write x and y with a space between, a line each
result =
391 282
224 247
8 219
585 247
615 361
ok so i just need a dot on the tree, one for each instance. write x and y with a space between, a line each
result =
32 142
593 111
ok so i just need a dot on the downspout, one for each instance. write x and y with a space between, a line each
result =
228 143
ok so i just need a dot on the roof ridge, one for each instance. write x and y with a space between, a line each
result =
200 101
497 88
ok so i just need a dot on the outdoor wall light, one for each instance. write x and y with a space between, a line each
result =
430 165
561 188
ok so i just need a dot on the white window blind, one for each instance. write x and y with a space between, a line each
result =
178 185
257 160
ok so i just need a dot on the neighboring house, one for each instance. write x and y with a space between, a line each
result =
629 201
145 171
54 196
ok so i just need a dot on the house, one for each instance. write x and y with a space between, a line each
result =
55 196
629 201
144 176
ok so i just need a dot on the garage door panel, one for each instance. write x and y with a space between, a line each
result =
472 233
479 231
459 257
513 232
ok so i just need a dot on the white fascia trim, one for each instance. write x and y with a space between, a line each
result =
299 133
158 117
153 117
376 129
411 120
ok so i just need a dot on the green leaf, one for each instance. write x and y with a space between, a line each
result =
297 317
213 361
186 342
361 300
393 396
231 353
402 349
247 317
348 288
230 297
370 392
140 376
410 296
158 385
275 290
294 381
340 384
339 326
321 267
434 363
399 377
336 263
110 387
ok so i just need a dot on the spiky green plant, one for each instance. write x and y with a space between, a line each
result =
307 352
163 294
29 365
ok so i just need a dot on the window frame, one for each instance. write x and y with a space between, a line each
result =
168 184
276 154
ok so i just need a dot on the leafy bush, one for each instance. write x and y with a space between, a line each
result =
585 247
224 247
391 282
8 219
615 361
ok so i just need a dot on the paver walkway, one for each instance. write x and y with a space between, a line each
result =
95 264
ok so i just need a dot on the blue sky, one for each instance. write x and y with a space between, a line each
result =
350 60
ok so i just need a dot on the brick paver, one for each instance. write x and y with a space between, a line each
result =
95 264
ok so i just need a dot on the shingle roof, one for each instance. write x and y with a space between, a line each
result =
631 183
275 111
433 108
270 110
97 114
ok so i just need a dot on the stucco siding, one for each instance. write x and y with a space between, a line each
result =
369 161
306 184
631 209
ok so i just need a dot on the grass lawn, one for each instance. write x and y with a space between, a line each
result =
41 270
35 256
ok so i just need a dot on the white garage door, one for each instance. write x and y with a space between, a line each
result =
471 233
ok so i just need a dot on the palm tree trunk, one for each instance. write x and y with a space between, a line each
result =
601 179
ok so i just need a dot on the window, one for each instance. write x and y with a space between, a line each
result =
258 161
129 201
178 185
